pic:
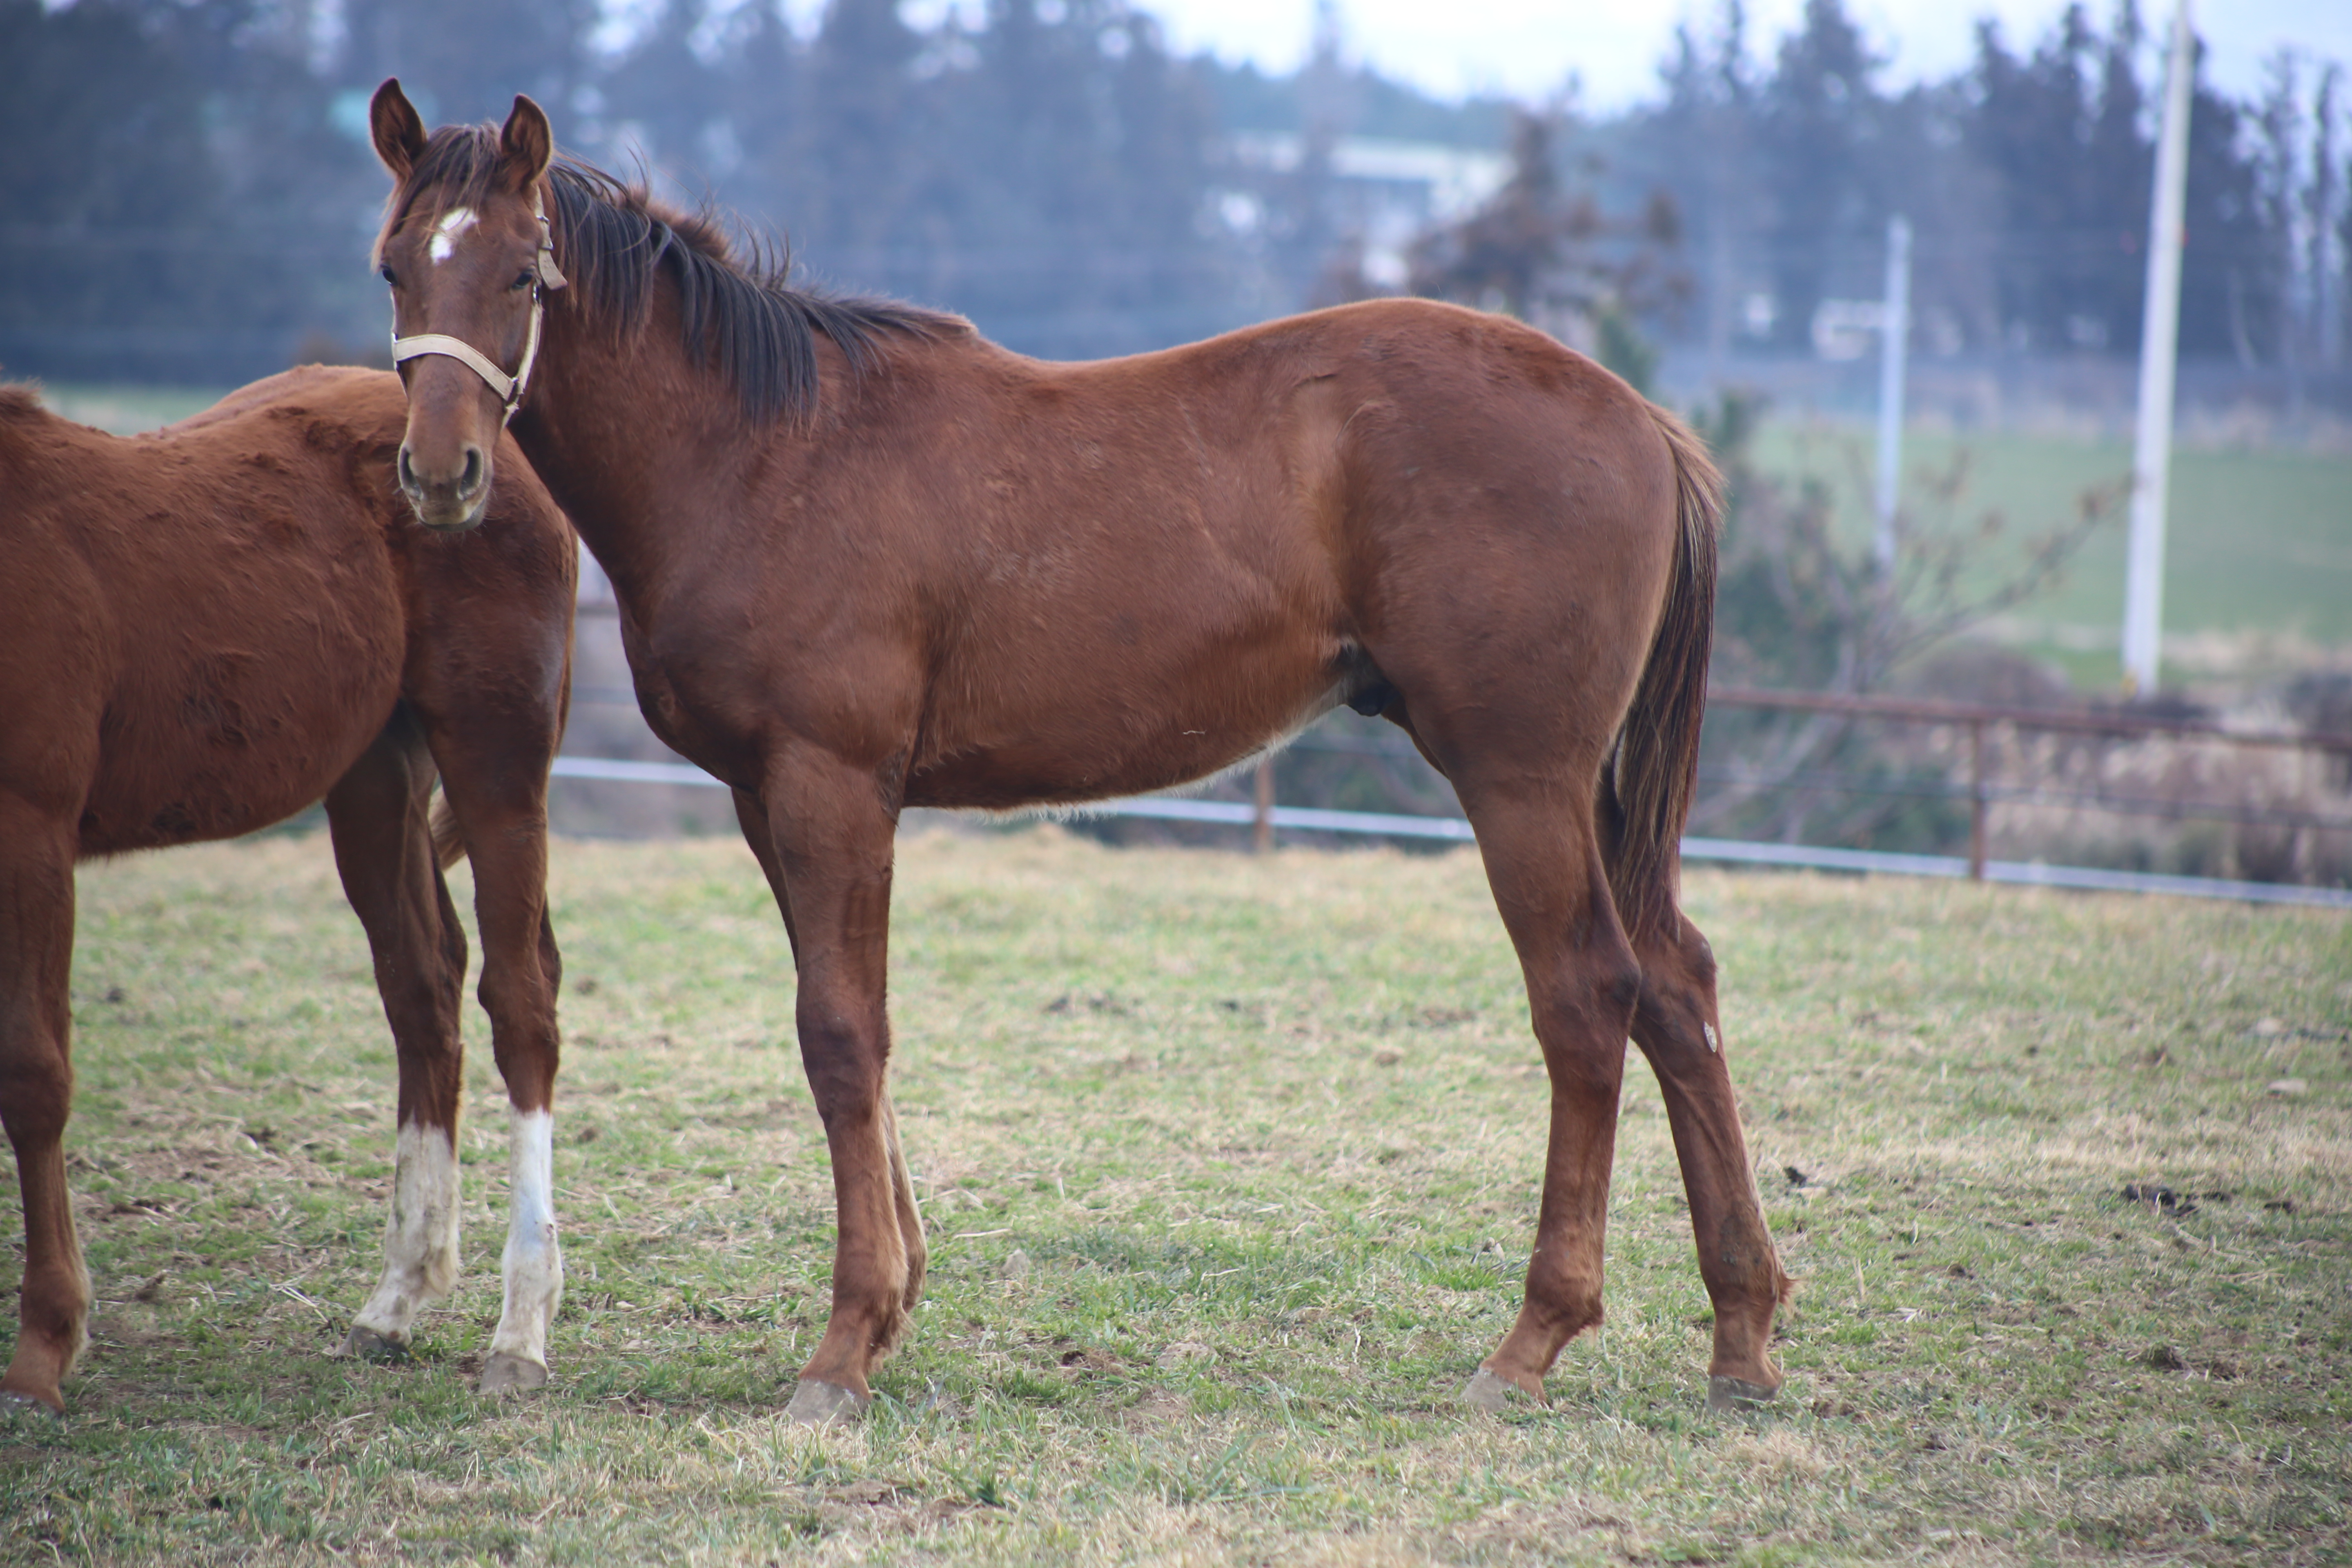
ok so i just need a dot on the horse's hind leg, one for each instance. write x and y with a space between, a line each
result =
1536 835
1678 1027
383 848
37 916
496 786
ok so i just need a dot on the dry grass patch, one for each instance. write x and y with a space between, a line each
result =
1228 1166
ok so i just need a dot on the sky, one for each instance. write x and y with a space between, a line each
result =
1529 49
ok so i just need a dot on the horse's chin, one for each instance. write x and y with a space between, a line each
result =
453 517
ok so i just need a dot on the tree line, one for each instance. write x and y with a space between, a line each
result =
188 192
2027 178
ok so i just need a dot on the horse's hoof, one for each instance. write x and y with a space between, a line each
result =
820 1403
508 1373
1737 1393
1486 1392
369 1345
15 1403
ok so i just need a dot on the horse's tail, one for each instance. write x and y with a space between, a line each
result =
448 838
1647 789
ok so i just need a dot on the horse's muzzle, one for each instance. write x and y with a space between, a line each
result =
449 503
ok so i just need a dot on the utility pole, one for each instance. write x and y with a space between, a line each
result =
1893 344
2159 343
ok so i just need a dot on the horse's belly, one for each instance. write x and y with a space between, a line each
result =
241 730
1135 738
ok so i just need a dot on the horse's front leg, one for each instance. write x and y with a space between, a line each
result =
757 833
830 828
377 815
36 928
495 782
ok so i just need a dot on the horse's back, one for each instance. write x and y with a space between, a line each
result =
358 398
1304 455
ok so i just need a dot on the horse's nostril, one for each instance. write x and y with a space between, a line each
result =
471 480
408 473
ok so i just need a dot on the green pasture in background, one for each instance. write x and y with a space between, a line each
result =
129 410
2259 542
1229 1167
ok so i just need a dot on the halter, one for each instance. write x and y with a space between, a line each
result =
510 388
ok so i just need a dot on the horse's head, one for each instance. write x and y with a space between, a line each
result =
466 251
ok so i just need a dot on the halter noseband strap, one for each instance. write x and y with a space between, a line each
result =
510 388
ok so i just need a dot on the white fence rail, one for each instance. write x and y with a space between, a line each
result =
1383 825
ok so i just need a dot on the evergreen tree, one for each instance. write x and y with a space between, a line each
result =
96 186
659 95
1819 116
2119 180
2222 267
1699 145
465 60
2322 200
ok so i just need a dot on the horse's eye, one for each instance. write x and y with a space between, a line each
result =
522 278
386 273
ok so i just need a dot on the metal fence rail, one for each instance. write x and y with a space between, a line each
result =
2114 724
1453 829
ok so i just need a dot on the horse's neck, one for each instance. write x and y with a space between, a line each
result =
617 421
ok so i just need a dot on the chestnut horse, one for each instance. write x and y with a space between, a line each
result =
211 627
866 560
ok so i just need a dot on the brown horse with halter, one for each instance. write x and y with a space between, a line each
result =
866 560
211 627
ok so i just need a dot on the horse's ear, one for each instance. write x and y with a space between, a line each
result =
526 144
399 133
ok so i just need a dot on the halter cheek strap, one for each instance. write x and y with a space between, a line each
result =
510 388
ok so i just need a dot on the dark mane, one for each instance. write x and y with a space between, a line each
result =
738 315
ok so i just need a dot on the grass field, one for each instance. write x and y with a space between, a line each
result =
1228 1165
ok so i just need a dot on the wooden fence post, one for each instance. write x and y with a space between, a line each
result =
1976 801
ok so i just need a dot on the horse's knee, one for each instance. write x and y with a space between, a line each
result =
1620 985
843 1059
1595 987
36 1092
522 1022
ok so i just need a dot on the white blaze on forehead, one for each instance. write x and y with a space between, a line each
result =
533 1262
454 221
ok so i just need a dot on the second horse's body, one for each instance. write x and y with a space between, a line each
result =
203 631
